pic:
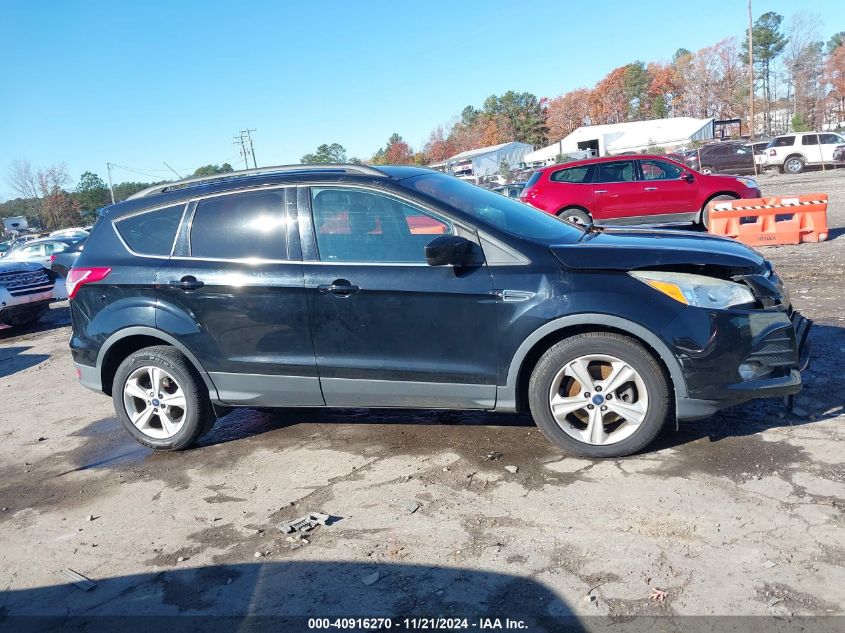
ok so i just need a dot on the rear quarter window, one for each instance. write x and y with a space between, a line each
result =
151 232
577 175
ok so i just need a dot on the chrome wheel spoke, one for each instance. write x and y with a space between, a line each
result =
634 413
156 376
170 426
176 399
579 370
594 433
621 373
561 407
135 390
141 419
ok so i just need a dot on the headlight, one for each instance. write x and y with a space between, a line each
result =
748 182
696 290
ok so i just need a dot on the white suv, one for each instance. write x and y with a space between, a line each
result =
790 153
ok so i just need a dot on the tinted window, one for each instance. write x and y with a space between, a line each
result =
715 150
353 225
54 247
810 139
622 171
240 226
830 139
534 178
782 141
490 208
573 174
151 233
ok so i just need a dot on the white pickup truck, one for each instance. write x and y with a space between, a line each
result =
26 290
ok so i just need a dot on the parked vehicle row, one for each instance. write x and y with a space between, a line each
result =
792 153
639 189
356 286
55 253
26 290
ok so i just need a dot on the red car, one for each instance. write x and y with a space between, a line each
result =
631 190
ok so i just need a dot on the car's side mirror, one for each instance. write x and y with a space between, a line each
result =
448 250
688 177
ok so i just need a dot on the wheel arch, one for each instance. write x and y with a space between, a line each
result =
712 197
574 206
129 340
513 396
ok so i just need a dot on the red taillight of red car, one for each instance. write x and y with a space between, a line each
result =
78 277
52 258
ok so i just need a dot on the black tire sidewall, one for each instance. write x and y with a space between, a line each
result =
613 345
177 366
572 211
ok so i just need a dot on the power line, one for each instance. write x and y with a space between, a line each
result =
244 140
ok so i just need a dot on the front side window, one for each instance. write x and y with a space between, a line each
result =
621 171
355 225
153 232
660 170
54 247
573 174
240 226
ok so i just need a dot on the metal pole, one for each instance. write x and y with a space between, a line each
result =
751 87
111 186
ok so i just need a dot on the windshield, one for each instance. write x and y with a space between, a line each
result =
494 209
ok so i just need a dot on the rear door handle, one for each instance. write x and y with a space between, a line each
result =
600 191
339 287
650 188
188 282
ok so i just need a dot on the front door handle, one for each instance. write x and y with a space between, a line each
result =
188 282
600 191
650 188
340 287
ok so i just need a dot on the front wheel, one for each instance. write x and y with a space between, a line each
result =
705 211
161 399
599 394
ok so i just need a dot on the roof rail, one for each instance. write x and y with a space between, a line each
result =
279 169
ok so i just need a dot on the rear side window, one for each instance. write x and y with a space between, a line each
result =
534 178
153 232
622 171
810 140
240 226
782 141
576 175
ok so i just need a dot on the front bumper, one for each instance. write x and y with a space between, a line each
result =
776 343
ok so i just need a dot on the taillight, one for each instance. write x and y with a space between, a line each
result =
78 277
772 152
52 258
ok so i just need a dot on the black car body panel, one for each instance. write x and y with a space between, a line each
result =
297 330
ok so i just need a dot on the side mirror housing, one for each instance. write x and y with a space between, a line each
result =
688 177
448 250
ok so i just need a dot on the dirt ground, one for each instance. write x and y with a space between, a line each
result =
740 514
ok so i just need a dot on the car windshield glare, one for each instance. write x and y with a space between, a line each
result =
494 209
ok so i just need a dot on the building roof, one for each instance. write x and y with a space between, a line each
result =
472 153
628 136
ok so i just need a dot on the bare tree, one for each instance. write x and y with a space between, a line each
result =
804 68
25 182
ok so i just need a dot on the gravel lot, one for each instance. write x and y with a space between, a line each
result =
738 514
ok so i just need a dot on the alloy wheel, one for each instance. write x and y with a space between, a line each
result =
598 399
154 402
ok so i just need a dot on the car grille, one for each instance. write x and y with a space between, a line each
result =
26 282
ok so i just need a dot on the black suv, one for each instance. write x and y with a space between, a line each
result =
355 286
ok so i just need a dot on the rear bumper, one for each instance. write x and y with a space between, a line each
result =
89 377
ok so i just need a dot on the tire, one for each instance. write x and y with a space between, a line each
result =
179 383
647 393
574 215
704 218
794 165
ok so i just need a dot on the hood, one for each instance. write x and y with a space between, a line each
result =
19 267
631 249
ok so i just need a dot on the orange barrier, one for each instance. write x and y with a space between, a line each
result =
772 220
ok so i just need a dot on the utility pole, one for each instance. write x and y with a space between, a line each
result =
251 146
239 140
751 86
111 186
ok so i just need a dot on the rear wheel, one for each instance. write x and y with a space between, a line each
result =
161 399
794 165
599 394
705 211
574 215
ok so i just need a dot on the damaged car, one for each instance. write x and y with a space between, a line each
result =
360 286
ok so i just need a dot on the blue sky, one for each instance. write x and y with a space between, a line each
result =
142 82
